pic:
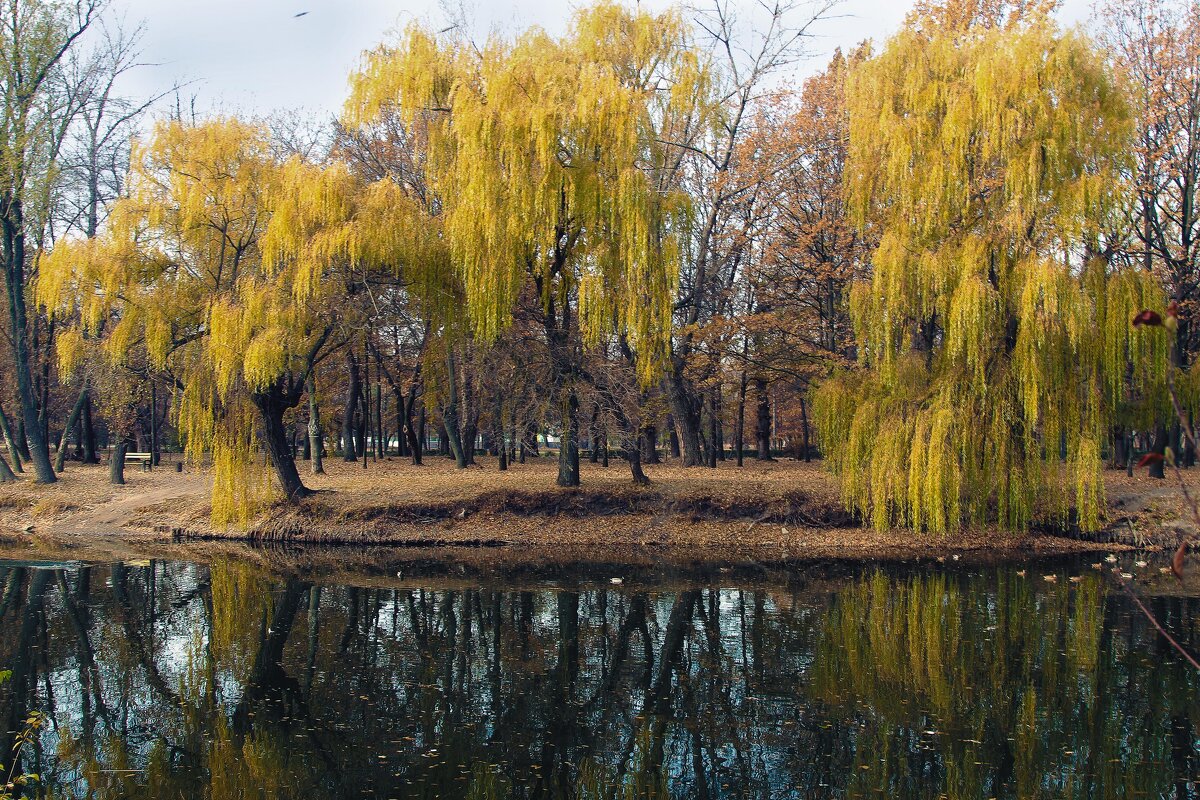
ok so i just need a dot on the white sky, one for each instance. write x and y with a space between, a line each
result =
255 56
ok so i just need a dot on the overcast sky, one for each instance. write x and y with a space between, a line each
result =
255 56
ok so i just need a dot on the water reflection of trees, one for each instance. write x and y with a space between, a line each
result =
165 678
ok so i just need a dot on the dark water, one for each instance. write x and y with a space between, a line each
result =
171 679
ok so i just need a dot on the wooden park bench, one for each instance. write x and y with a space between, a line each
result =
145 459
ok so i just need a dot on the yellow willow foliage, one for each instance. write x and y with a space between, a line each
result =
242 606
546 156
911 647
992 356
230 265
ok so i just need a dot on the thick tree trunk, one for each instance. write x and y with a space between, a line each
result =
13 223
762 427
116 463
712 442
89 433
1158 468
650 445
6 473
271 408
468 438
60 458
633 453
1119 456
22 440
685 409
672 437
568 450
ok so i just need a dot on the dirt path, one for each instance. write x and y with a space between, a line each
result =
118 514
84 503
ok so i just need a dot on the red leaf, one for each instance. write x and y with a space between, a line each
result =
1173 309
1150 458
1177 561
1147 317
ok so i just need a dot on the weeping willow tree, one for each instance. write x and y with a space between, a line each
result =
994 340
546 156
230 269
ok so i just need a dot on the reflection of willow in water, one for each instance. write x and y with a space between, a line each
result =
180 681
1011 691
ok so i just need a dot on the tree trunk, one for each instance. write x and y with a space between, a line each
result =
672 436
14 450
271 408
649 439
349 453
739 426
315 445
380 439
712 441
762 428
568 450
367 415
593 435
501 445
450 414
116 463
1119 456
13 222
60 458
154 434
468 437
1158 468
415 442
686 411
22 439
469 419
89 433
807 453
6 473
633 453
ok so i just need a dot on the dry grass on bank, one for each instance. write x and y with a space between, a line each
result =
784 505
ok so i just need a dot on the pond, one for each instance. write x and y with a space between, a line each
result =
228 679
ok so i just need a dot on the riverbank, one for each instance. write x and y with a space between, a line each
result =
771 510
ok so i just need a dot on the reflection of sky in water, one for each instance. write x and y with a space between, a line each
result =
178 680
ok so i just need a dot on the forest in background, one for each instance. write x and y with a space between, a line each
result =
922 261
